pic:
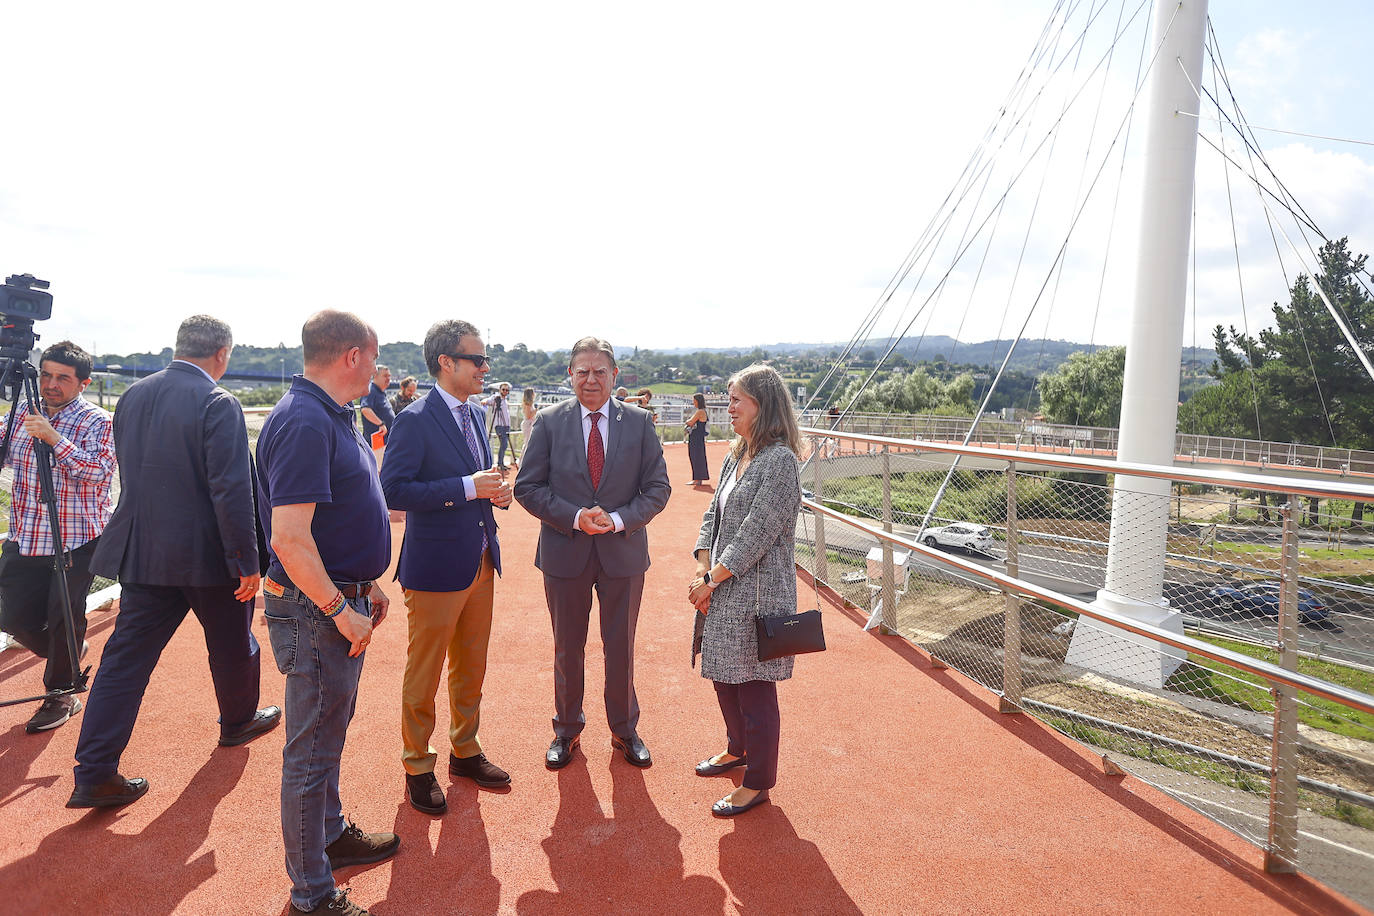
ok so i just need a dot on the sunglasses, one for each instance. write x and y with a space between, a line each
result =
477 360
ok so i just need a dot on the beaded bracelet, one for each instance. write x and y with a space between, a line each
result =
335 607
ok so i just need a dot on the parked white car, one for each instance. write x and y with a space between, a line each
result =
964 535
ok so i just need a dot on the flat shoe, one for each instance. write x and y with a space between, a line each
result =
707 768
723 808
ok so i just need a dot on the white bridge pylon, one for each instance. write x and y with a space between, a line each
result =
1149 401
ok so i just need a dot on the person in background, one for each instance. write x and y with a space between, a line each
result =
527 421
696 427
500 421
745 570
329 535
406 396
622 393
376 410
83 466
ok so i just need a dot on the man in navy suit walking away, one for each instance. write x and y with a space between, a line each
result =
182 538
438 470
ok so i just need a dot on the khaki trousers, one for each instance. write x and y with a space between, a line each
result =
456 624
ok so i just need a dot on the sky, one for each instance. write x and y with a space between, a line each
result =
661 175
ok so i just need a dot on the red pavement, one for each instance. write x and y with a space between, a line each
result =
902 790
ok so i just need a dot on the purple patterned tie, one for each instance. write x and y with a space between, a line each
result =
465 411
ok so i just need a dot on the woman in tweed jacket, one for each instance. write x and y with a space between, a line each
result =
745 570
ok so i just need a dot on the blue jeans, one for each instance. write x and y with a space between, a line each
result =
321 692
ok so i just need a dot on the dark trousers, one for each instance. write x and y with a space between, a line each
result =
503 436
31 606
752 728
570 607
148 616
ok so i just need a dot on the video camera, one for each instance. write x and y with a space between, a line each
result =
20 306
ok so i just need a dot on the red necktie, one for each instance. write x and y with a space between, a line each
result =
596 451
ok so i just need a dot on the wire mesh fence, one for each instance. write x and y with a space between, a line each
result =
1200 729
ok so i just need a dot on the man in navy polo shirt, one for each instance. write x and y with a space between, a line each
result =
326 520
375 408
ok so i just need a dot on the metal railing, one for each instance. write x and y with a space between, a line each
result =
1254 730
1033 435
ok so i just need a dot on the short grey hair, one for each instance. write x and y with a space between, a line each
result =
444 339
202 336
592 345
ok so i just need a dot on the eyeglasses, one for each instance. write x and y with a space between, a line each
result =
476 359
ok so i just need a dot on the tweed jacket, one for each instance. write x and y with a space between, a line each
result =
753 538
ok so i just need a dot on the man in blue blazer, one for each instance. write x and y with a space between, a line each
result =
438 469
182 538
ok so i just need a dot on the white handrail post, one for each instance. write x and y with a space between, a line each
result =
1281 853
1011 628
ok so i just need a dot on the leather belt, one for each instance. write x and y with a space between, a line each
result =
348 589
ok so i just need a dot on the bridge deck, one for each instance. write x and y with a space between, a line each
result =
902 790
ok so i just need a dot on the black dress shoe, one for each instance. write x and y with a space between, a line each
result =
560 752
423 791
264 720
707 768
633 749
479 769
723 808
110 794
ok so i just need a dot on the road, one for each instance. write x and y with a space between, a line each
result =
1348 634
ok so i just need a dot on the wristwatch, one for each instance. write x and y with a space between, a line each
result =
707 581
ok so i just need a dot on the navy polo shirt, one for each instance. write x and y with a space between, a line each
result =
376 399
309 451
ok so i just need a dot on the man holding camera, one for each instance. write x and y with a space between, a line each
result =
31 606
500 422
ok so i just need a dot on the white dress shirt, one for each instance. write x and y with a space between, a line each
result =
469 487
605 425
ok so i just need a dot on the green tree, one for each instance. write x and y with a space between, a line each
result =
1300 380
1086 388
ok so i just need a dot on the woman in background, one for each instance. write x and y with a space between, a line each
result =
527 422
696 426
745 570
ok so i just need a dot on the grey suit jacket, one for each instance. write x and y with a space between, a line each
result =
185 513
753 537
554 483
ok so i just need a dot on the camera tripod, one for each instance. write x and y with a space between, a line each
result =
20 376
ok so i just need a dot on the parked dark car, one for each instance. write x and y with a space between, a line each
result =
1263 598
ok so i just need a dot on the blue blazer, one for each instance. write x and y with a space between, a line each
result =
426 459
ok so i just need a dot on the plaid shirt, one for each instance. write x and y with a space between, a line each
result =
83 469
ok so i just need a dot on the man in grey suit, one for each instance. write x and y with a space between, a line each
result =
593 473
182 538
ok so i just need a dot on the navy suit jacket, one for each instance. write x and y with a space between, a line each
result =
185 515
426 459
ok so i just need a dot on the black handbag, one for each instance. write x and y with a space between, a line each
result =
789 634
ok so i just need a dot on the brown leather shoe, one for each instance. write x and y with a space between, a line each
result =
424 793
479 769
338 905
113 793
353 847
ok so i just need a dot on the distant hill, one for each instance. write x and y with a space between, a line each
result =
1033 357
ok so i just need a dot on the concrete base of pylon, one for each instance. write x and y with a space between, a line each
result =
1115 653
